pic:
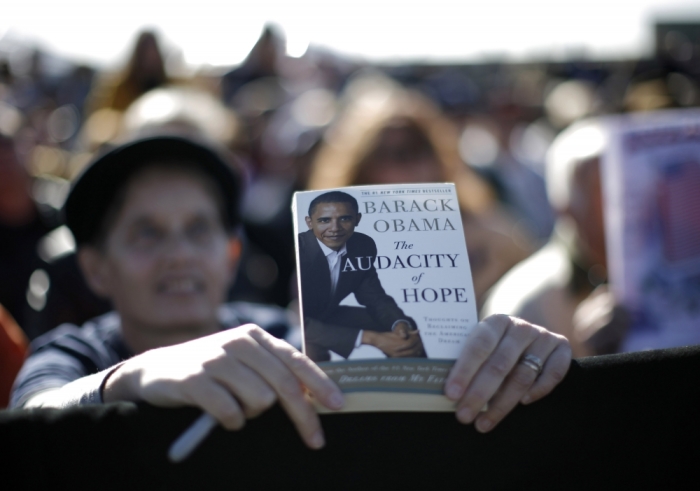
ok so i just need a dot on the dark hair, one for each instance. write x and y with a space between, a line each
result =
334 197
101 187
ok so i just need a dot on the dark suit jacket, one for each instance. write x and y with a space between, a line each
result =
326 325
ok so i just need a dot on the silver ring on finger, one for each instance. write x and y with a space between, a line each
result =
532 361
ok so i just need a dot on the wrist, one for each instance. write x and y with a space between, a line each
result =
116 386
368 337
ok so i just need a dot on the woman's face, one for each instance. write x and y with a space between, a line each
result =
402 154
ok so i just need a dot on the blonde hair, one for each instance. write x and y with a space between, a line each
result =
369 105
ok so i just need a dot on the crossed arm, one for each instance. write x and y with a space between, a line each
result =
237 374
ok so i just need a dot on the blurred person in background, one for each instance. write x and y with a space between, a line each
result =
23 223
41 131
31 86
112 93
563 285
50 93
261 62
388 135
284 104
75 87
144 71
35 249
487 142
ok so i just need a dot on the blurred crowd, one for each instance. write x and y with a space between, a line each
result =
321 121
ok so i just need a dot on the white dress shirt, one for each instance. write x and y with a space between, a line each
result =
334 259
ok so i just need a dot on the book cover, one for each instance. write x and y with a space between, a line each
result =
386 294
651 187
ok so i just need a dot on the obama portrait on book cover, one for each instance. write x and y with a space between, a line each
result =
335 262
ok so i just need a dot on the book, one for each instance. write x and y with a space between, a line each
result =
651 183
386 293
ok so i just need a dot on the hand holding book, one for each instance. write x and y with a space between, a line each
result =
490 369
233 375
388 305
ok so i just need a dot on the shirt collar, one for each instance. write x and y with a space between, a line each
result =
327 250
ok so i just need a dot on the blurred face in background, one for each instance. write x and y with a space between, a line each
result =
402 154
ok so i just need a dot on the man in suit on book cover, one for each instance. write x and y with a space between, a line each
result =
335 262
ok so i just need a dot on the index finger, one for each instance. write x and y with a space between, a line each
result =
286 370
308 373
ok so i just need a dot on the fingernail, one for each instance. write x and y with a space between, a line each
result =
317 440
465 415
453 391
526 399
336 401
484 425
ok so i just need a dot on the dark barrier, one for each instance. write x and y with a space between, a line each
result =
631 420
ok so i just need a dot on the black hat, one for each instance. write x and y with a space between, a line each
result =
94 190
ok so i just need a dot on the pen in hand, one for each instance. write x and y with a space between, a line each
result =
188 441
